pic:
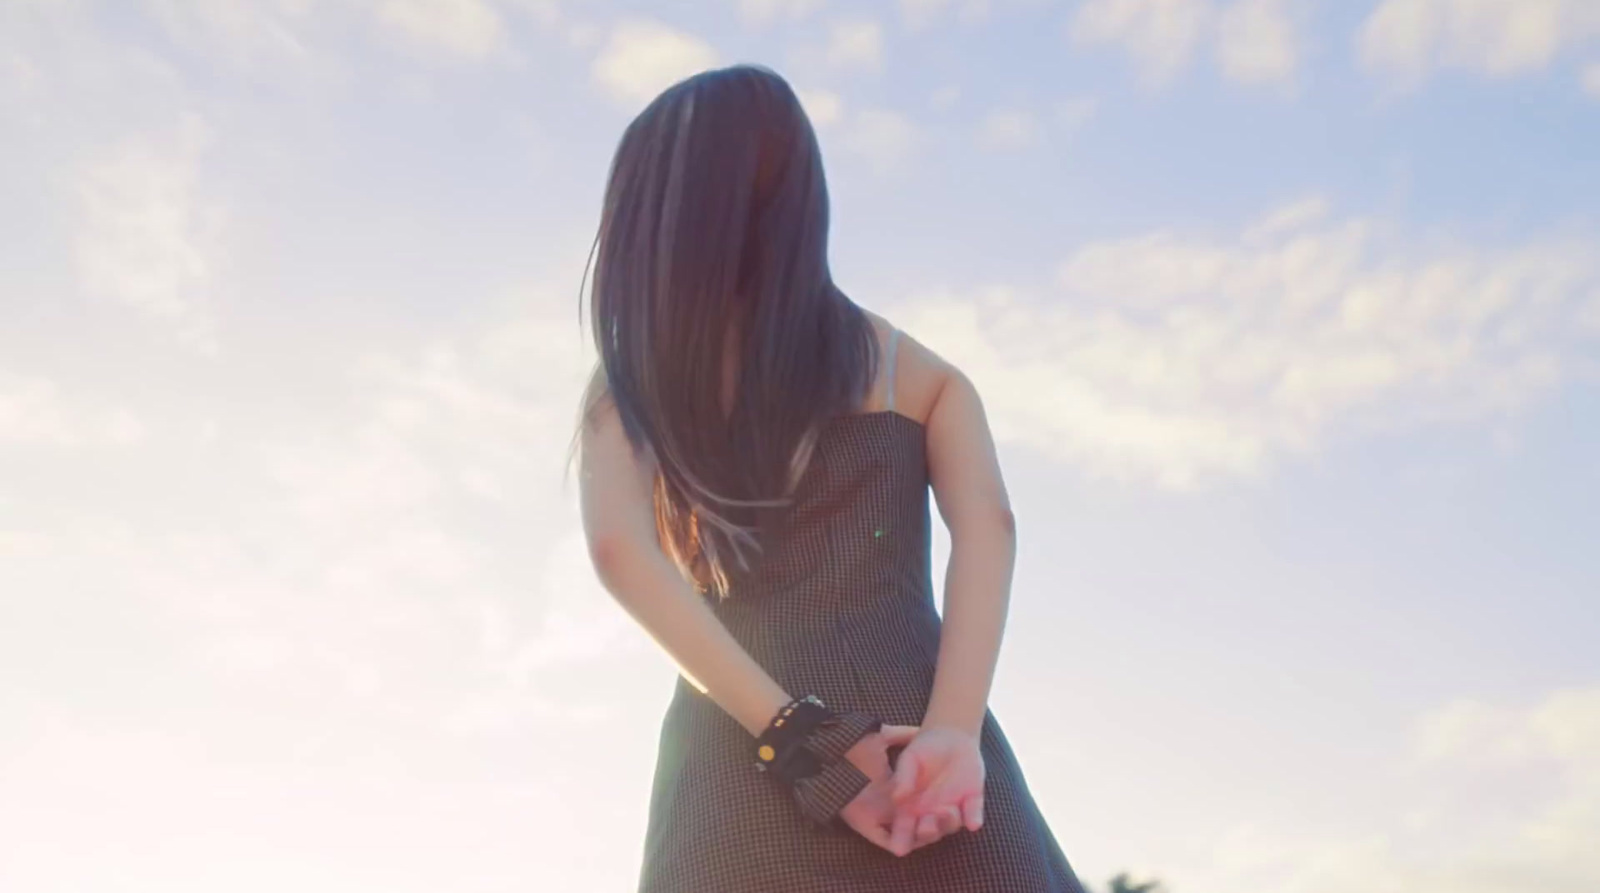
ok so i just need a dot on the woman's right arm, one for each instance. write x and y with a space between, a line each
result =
617 494
619 523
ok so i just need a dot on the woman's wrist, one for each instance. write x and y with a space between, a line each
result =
963 724
804 748
763 709
806 735
780 748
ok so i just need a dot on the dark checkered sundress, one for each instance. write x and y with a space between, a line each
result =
840 605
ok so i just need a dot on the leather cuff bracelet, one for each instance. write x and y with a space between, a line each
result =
804 746
779 748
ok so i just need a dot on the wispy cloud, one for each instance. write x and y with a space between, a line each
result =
1409 39
1162 36
855 43
884 137
313 39
1256 41
469 28
1179 359
146 233
921 13
355 556
765 12
245 35
642 57
824 107
1484 797
35 412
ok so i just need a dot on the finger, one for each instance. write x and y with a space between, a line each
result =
972 812
949 820
900 835
906 776
942 791
874 832
928 829
893 736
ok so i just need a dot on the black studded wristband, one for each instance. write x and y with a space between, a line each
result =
804 747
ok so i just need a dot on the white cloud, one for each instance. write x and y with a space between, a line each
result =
824 107
921 13
242 33
1485 798
34 412
884 137
545 12
1591 79
1161 35
1179 360
1285 220
856 44
581 622
583 35
1005 129
310 37
1255 41
1501 753
144 236
1562 731
642 57
1411 38
30 412
763 12
468 28
355 552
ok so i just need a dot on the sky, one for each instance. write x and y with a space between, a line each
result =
1286 314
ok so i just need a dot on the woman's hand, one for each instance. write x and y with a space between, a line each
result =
937 788
872 812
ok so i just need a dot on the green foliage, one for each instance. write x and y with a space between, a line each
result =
1124 883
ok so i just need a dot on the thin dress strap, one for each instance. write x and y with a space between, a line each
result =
894 342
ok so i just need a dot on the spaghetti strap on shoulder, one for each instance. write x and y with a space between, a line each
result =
894 342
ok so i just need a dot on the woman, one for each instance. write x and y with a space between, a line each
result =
757 452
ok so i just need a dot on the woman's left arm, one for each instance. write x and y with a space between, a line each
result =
943 767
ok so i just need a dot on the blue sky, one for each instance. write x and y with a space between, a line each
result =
1286 313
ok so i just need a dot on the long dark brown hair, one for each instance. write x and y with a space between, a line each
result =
723 341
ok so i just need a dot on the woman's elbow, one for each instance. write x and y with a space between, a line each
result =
1006 524
611 554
